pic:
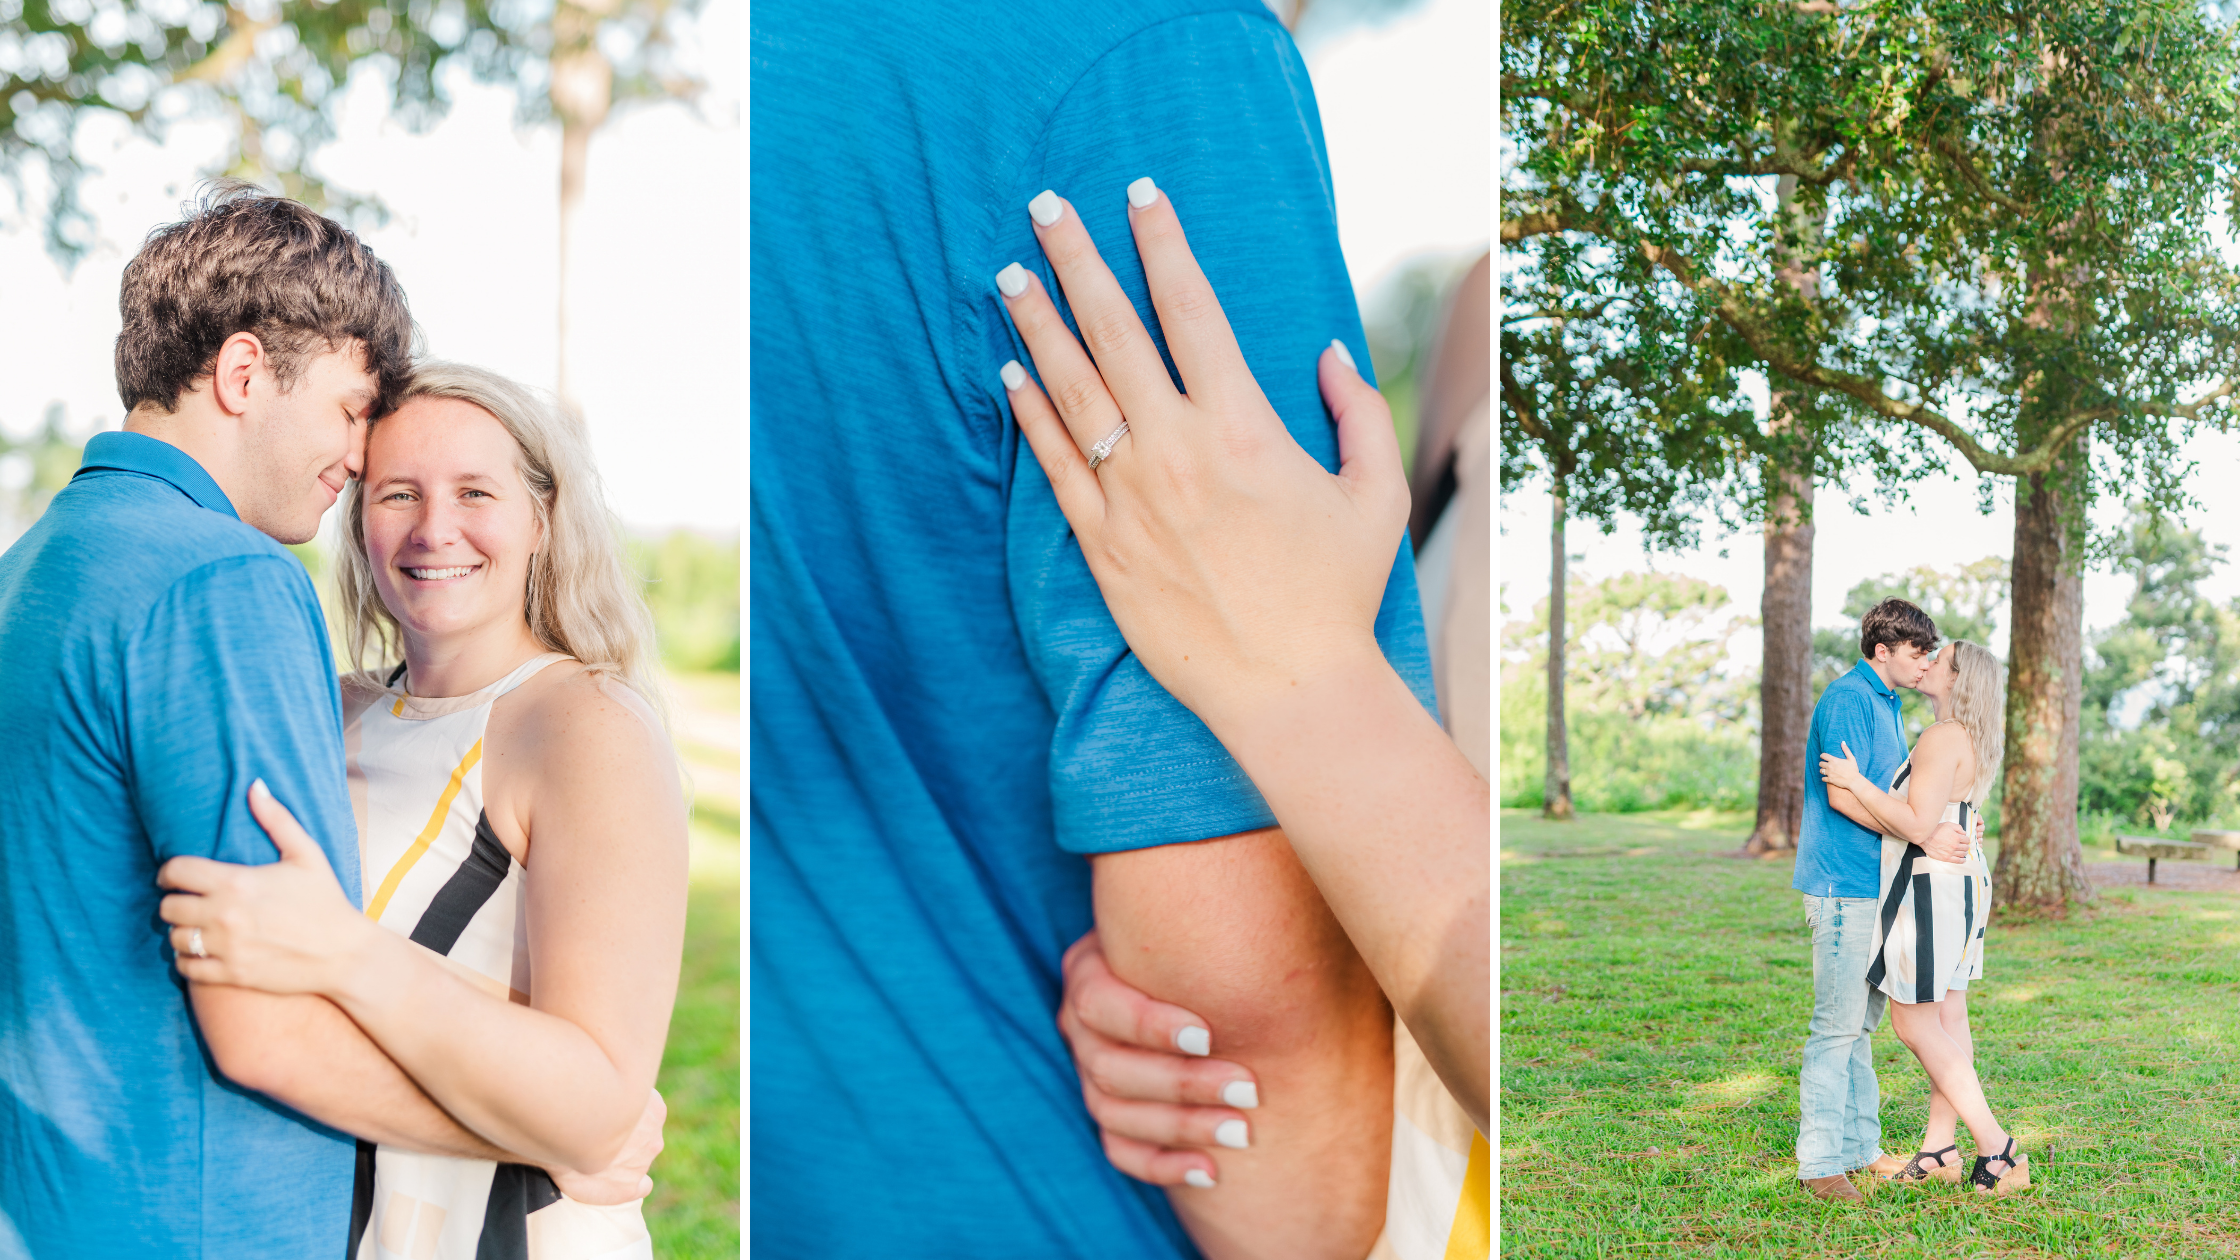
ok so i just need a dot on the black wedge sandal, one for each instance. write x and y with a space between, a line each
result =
1946 1170
2016 1177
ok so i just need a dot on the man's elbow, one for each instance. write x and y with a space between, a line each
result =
245 1049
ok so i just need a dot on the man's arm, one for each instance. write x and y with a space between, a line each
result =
1234 930
303 1051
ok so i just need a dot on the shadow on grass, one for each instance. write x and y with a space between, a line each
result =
1653 1009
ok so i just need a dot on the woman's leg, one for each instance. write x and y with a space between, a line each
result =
1952 1015
1951 1067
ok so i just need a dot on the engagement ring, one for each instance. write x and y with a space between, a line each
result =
1102 451
194 943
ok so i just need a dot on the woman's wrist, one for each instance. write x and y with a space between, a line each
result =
1262 712
365 967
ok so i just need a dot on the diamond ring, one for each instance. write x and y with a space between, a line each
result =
194 943
1102 451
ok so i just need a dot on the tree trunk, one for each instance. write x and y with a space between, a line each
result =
1556 797
2040 866
1785 679
1785 609
582 93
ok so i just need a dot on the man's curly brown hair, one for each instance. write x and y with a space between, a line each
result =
244 260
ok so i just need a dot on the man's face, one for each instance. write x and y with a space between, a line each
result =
305 443
1906 663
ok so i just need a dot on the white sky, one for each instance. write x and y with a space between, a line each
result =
1940 527
1407 115
1406 109
473 239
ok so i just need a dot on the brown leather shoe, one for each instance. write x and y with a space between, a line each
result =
1835 1189
1885 1167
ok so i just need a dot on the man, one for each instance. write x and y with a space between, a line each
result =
946 721
160 651
1839 871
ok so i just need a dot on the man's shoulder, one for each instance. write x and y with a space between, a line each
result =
113 545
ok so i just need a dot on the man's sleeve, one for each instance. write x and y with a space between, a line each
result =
1217 110
1850 720
230 680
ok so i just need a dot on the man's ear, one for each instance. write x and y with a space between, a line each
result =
238 361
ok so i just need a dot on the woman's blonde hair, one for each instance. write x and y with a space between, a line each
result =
1979 703
582 599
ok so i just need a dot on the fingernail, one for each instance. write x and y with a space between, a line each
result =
1243 1095
1012 280
1232 1134
1013 375
1197 1177
1193 1040
1344 355
1142 192
1045 208
257 788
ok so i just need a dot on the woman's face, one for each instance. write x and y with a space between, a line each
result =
449 525
1942 672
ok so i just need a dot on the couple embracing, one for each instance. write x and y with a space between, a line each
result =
431 1027
1898 897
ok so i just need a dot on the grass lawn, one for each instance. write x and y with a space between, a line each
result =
694 1212
1653 1009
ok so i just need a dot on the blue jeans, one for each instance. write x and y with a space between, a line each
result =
1839 1123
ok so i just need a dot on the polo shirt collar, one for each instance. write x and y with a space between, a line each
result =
1874 681
154 457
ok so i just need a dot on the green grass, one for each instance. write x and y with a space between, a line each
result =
1653 1009
694 1211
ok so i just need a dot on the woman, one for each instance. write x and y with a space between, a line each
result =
1247 580
1930 929
519 728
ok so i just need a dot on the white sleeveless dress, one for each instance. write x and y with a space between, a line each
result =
1929 928
435 872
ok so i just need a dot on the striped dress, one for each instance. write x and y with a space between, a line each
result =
1929 928
434 871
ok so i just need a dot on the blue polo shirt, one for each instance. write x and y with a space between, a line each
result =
944 718
1837 857
157 655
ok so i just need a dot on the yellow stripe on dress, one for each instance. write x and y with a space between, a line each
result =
1472 1235
427 836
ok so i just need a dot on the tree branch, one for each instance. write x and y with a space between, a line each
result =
1962 163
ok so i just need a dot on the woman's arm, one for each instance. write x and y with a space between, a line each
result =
1247 580
566 1079
1936 765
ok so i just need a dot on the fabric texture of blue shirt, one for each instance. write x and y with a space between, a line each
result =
943 715
158 655
1837 857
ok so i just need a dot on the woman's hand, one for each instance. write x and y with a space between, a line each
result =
1841 772
1157 1099
1233 564
286 927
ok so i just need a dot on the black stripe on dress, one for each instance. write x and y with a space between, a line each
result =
1924 939
465 893
1889 914
361 1198
515 1191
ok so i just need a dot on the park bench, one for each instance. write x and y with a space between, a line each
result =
2153 850
2221 840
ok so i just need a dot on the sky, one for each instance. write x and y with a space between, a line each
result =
1938 525
657 331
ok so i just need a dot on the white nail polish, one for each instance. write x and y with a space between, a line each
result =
1193 1040
1197 1177
1045 207
1012 280
1142 193
1232 1134
1344 355
1243 1095
1013 375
